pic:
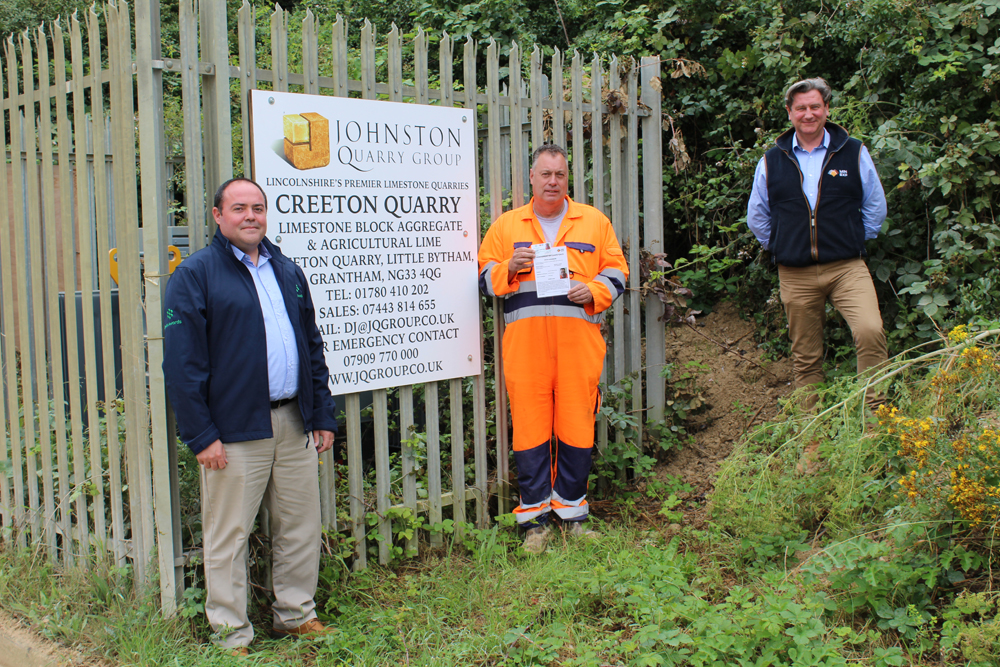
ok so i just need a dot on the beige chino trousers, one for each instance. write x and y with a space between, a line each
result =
847 284
283 473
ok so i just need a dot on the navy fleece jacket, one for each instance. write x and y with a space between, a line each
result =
215 360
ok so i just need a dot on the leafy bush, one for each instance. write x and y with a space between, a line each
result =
898 520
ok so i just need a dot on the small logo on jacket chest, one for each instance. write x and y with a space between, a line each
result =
298 292
172 318
835 172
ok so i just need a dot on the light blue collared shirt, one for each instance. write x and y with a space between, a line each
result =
873 208
282 355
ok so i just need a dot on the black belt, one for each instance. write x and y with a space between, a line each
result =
282 401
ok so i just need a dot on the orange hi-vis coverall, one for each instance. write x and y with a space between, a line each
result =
553 353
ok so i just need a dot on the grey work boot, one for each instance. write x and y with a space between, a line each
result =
579 529
536 539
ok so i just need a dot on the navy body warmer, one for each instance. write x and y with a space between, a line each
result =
834 230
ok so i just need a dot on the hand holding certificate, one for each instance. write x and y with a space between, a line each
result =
551 270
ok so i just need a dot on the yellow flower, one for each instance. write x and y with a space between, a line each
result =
958 334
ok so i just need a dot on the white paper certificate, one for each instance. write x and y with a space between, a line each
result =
551 270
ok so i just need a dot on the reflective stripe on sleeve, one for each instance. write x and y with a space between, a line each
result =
485 279
614 280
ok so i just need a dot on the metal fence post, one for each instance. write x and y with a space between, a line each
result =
152 159
652 235
218 126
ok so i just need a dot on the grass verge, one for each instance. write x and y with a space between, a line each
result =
834 538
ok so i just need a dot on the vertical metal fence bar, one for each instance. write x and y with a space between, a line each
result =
247 38
599 202
517 158
63 130
457 454
634 299
368 61
479 381
380 401
355 455
218 138
652 209
408 464
431 401
433 460
13 491
6 325
579 142
496 208
445 74
310 54
355 480
152 153
505 165
85 242
420 70
126 274
194 150
380 413
24 477
340 57
445 63
117 537
279 51
558 117
7 440
58 499
619 221
328 476
138 464
310 70
37 407
535 84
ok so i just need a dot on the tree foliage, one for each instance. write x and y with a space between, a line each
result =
917 81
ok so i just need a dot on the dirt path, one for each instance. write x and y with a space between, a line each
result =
19 647
740 388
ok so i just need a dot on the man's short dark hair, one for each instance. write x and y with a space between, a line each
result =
555 149
804 86
217 202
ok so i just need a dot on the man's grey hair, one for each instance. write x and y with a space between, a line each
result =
804 86
555 149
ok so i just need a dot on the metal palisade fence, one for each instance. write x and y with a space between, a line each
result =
90 461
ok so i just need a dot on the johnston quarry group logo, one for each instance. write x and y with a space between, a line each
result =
307 140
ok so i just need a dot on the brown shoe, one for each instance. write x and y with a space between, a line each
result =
311 628
240 652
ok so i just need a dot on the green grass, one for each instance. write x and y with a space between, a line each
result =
630 598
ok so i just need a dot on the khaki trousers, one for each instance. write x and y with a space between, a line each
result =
283 473
848 286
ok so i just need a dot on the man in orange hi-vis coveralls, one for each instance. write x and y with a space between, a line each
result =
553 350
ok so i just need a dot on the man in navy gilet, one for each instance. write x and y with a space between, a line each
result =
816 199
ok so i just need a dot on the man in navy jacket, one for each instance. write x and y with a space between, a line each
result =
816 199
248 381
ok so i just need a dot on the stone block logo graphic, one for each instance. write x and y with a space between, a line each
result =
307 140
